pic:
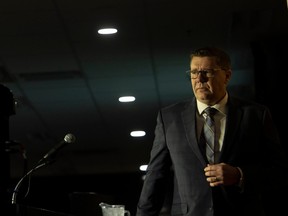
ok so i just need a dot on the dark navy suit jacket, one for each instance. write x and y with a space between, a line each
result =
251 142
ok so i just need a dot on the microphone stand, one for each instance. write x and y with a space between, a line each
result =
16 189
69 138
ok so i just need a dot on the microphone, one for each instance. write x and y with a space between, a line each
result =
69 138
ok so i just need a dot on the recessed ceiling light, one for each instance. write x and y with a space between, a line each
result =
126 99
143 167
106 31
138 133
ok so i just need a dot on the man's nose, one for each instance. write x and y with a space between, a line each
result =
201 77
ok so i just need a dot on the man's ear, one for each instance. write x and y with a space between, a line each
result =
228 76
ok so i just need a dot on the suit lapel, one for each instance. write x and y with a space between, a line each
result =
189 122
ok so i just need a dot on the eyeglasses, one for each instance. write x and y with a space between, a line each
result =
209 73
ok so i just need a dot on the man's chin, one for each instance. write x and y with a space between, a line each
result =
203 96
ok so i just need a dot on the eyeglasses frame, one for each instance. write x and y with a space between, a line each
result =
203 72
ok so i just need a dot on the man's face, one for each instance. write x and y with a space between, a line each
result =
209 90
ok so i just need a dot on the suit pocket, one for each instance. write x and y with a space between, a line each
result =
179 209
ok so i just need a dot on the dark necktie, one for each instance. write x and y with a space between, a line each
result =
207 137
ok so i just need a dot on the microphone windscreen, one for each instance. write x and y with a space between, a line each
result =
69 138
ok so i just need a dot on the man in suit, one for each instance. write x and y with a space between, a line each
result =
249 170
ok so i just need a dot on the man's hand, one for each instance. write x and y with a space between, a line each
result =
222 174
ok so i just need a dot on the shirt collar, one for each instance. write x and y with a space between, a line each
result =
221 106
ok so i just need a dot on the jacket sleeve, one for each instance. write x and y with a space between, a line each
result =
157 175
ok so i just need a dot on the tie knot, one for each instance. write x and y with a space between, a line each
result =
210 111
